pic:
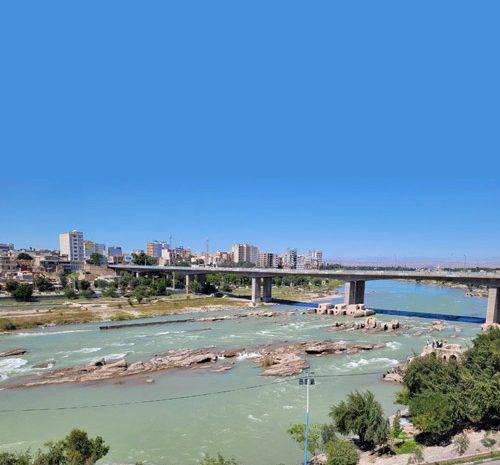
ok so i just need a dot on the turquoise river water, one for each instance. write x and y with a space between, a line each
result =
250 421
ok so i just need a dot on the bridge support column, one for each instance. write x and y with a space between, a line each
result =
256 282
267 289
493 311
354 292
188 282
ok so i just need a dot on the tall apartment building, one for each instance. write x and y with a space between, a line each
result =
153 249
268 260
289 259
244 253
72 245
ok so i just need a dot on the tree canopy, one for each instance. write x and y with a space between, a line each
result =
444 396
75 449
361 414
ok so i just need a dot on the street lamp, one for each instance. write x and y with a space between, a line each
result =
306 381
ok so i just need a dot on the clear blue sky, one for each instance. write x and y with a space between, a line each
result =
364 128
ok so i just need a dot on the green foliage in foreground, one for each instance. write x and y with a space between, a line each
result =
75 449
362 415
341 452
445 396
217 460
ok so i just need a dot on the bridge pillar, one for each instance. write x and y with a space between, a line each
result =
267 288
256 282
493 311
354 292
188 281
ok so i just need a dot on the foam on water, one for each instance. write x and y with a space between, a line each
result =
247 356
11 366
394 345
379 361
52 333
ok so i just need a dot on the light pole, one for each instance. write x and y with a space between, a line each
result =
307 381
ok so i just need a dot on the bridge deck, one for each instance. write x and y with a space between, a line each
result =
486 279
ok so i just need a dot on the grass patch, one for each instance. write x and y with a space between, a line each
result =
122 316
7 325
407 447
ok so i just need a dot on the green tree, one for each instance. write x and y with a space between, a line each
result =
11 286
362 415
432 413
195 287
9 458
43 284
341 452
24 256
101 284
217 460
142 259
70 293
75 449
298 433
23 292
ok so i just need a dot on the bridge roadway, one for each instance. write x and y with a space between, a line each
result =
355 280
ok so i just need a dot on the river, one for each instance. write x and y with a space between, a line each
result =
175 420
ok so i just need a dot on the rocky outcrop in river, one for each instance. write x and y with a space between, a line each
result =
276 360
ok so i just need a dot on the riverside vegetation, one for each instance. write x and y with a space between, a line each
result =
130 297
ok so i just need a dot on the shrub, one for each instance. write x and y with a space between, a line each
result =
341 452
11 285
218 460
108 292
461 443
23 292
488 441
6 325
70 293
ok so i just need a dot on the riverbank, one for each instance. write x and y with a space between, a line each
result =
76 312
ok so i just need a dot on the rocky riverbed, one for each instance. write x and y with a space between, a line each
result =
279 360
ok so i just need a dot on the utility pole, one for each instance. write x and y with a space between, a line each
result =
307 381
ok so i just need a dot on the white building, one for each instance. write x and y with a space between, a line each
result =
71 244
289 259
244 253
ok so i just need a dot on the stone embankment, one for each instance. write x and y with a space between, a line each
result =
275 359
354 310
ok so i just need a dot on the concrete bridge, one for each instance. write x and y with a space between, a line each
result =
355 280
